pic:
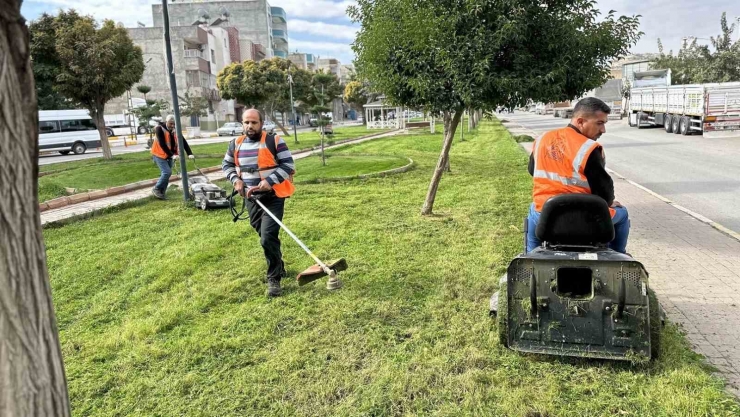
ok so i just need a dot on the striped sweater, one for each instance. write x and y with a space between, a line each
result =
246 157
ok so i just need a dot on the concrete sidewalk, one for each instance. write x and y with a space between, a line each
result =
88 207
695 271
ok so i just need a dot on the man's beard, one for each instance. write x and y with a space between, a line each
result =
254 136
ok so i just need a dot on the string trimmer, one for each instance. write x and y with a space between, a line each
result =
314 272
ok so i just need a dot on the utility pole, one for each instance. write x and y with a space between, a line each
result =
175 104
292 106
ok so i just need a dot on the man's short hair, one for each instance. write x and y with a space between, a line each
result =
169 118
260 115
589 106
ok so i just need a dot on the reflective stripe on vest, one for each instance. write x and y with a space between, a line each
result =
266 165
567 179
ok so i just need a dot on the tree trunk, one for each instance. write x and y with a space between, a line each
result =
96 114
443 160
447 119
471 118
280 125
32 380
323 157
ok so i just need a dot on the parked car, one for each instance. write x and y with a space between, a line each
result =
313 122
230 128
268 126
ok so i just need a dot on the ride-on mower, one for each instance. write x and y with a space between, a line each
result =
573 296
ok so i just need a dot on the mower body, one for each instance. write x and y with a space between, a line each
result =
207 195
568 303
573 296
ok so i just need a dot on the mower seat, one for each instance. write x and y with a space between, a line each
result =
580 220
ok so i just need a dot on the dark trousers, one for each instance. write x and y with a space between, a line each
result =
268 230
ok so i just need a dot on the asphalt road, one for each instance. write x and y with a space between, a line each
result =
698 173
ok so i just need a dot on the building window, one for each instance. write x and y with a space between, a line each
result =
213 56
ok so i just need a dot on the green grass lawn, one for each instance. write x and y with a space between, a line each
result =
124 169
341 165
162 311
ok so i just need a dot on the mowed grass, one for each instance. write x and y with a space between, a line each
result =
162 311
343 165
128 168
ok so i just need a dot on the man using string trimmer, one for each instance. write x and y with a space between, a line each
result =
261 168
262 162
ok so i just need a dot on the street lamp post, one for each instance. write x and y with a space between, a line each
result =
175 105
292 106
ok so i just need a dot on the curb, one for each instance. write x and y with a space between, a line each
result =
693 214
110 192
379 174
113 191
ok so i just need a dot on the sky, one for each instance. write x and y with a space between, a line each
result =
322 27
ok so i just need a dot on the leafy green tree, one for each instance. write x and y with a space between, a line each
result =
322 84
143 89
355 94
264 85
443 56
193 106
45 60
697 64
147 112
97 63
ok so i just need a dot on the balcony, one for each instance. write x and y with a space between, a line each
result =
281 54
309 59
280 35
278 14
195 53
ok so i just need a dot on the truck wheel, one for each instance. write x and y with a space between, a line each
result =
204 204
142 130
629 120
502 315
675 124
655 324
685 126
79 148
639 120
109 132
667 123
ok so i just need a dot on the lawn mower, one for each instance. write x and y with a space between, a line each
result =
573 296
204 193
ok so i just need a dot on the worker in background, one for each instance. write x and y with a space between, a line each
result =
164 153
261 162
569 160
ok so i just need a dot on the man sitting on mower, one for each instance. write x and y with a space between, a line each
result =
569 160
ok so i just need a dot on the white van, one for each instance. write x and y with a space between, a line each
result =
67 131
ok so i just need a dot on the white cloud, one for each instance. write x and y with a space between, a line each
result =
321 29
341 51
134 10
323 9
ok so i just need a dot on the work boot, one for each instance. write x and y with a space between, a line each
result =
273 287
158 194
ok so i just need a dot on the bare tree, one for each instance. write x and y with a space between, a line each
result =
32 380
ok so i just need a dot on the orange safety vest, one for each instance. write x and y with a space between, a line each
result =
171 141
265 161
560 158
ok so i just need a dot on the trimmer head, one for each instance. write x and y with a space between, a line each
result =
315 272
